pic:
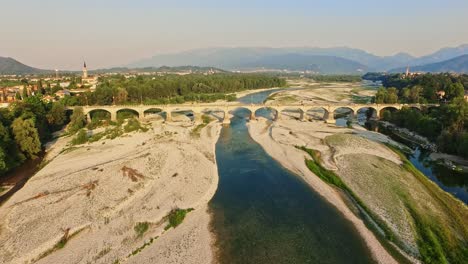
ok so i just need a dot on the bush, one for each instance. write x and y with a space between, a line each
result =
141 228
176 217
81 138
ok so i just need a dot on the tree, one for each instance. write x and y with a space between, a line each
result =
77 120
26 136
25 93
121 96
415 93
56 116
381 96
392 95
455 90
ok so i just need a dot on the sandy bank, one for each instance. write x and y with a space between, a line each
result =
98 193
279 141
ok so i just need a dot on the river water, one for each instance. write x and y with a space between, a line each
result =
265 214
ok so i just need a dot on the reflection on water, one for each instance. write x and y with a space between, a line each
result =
265 214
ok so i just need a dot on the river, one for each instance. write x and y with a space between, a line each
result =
265 214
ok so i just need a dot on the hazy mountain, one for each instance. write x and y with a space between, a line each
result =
315 63
166 69
243 58
442 55
458 64
12 66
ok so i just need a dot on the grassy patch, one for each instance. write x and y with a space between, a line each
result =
2 189
141 228
80 138
60 244
331 178
438 221
139 249
176 217
134 125
196 131
440 238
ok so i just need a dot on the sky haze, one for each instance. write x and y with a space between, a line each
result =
61 34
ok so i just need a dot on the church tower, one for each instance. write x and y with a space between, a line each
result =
85 71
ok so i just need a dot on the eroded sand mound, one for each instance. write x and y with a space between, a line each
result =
84 205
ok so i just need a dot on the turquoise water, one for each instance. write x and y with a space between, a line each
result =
265 214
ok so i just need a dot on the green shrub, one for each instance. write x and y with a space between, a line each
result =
133 125
176 217
141 228
80 138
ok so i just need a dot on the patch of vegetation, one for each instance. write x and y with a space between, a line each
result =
80 138
61 243
138 250
440 230
102 253
134 125
439 240
2 189
331 178
196 131
176 217
140 228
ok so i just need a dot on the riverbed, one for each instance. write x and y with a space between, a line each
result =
263 213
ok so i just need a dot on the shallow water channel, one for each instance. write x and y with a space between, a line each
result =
265 214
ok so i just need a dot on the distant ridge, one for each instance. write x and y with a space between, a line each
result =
166 69
320 64
245 57
12 66
458 64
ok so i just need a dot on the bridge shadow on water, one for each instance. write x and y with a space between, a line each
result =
265 214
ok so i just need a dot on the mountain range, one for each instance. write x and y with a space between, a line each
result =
351 61
339 60
458 64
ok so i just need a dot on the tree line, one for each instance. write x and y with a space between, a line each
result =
422 88
170 89
446 125
24 127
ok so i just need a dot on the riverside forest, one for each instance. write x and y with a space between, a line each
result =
29 123
446 125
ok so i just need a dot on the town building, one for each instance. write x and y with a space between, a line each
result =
88 81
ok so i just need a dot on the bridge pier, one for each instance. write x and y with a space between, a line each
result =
227 118
278 115
113 115
302 116
252 115
88 118
168 116
198 117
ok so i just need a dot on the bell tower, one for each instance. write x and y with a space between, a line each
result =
85 71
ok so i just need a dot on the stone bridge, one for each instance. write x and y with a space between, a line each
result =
329 110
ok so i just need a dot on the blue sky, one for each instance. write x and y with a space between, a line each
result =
59 34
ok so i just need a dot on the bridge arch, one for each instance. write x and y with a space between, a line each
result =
297 113
99 114
242 112
180 115
387 108
267 112
367 112
216 113
318 113
343 111
154 113
125 113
